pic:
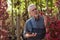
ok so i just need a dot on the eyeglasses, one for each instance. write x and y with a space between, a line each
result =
34 9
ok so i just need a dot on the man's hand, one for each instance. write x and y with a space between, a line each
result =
30 35
34 34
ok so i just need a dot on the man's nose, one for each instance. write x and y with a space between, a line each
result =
35 10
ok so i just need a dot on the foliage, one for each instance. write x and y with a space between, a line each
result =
19 7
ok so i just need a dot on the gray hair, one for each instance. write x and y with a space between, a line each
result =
30 6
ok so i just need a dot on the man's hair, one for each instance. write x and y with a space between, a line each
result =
29 7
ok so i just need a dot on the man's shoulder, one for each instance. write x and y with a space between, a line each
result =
29 20
42 17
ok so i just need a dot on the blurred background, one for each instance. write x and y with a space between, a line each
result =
13 15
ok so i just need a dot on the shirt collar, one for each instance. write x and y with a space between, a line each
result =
36 19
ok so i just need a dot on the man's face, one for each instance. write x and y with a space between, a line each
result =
34 11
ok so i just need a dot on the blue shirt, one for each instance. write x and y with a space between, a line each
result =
33 26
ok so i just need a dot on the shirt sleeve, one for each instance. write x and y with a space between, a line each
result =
27 28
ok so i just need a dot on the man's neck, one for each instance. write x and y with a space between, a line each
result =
37 18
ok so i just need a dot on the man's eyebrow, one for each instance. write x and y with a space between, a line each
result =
32 5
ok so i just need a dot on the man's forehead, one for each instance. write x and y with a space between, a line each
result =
32 7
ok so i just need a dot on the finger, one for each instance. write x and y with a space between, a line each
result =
33 33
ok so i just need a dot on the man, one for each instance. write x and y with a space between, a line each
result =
34 28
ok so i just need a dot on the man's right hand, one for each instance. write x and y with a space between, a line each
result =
30 35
